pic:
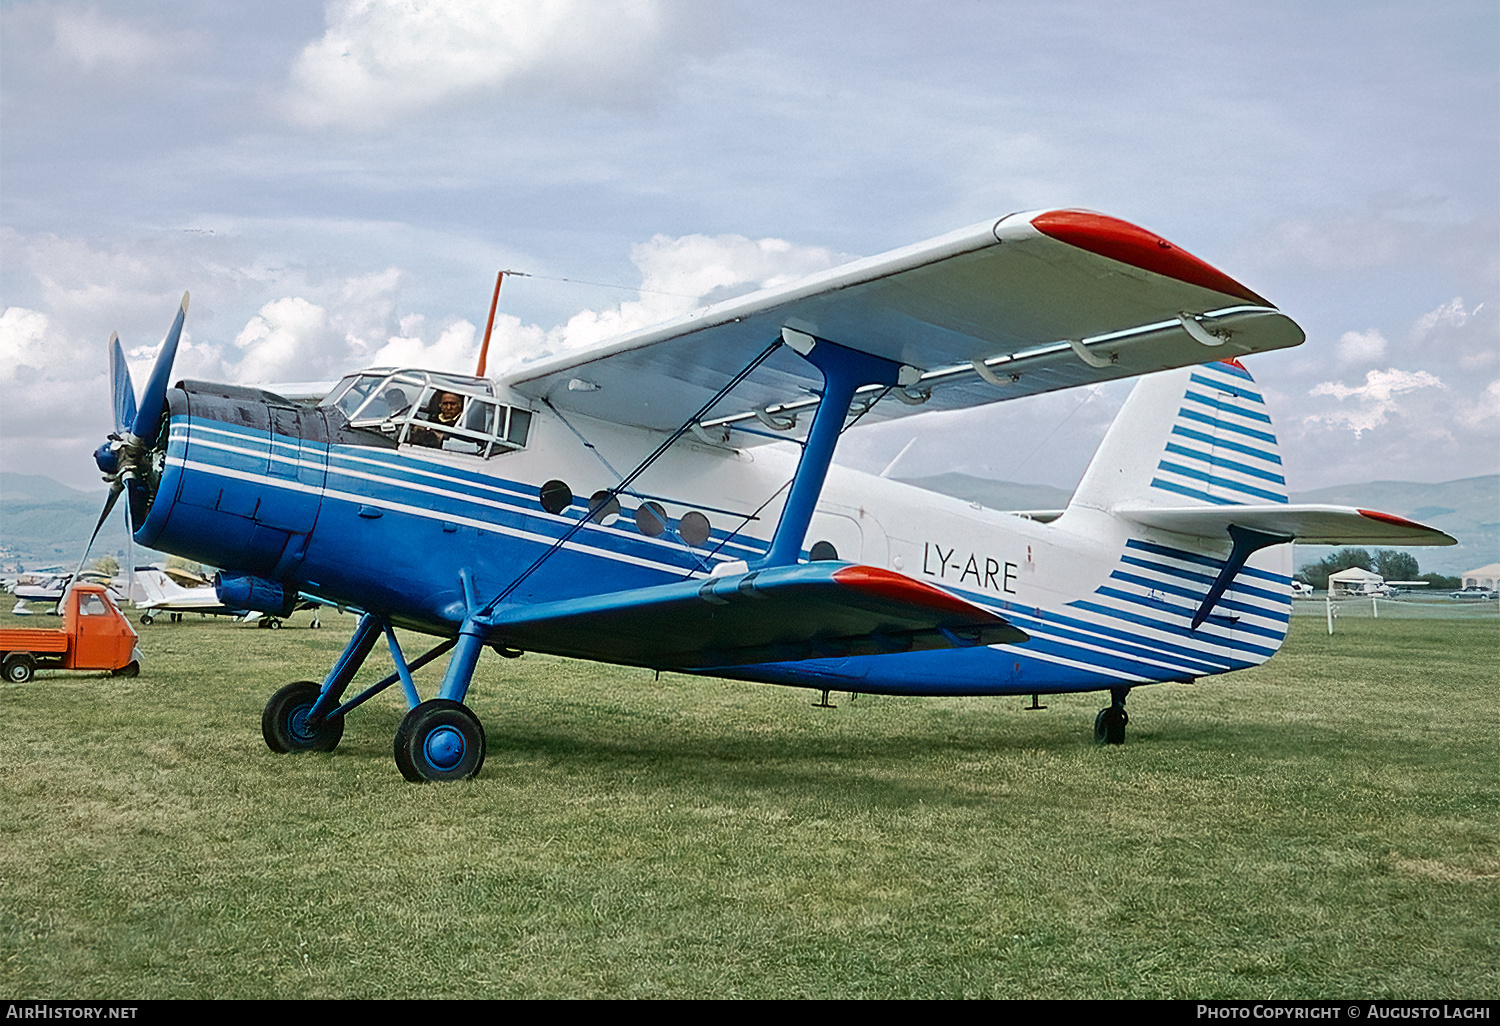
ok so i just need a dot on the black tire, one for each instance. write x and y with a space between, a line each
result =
1109 725
147 619
316 623
439 740
130 669
274 624
19 668
283 722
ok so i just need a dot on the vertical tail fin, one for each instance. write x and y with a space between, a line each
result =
1198 436
1195 436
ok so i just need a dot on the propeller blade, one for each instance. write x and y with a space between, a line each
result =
109 504
129 556
120 383
148 419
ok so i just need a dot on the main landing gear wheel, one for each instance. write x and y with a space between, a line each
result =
439 740
284 723
19 668
1109 725
147 619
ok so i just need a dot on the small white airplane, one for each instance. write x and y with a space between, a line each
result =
157 591
623 504
50 585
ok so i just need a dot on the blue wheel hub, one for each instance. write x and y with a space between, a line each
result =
444 748
297 723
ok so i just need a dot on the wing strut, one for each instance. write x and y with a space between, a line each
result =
844 372
487 612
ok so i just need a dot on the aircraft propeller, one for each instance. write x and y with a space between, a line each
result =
122 458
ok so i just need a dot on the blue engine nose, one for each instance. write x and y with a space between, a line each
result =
107 460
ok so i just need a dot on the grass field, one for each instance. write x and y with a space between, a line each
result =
1324 826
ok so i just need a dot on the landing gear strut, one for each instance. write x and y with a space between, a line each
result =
1109 725
440 739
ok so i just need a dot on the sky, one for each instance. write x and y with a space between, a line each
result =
338 185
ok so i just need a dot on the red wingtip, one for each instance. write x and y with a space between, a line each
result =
1123 241
1388 518
899 587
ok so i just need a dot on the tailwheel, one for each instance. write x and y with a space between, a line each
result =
1109 725
439 740
284 723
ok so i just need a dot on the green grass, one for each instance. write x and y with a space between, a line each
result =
1324 826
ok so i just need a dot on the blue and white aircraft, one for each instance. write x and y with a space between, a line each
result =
624 505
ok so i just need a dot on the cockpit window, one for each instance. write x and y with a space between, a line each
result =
435 411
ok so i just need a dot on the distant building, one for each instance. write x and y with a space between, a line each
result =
1484 577
1354 581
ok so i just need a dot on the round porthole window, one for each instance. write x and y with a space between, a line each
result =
694 528
556 497
823 550
603 505
650 519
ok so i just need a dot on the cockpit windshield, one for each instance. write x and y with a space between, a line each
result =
437 411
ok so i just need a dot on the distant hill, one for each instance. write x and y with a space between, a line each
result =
36 488
45 523
1468 509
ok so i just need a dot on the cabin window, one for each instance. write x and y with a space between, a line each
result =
433 411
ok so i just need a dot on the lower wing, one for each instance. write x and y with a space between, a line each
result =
813 611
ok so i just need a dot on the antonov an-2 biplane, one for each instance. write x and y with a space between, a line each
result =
623 505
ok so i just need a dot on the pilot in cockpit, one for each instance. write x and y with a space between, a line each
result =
443 409
395 401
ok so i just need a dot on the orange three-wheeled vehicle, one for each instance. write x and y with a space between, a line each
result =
95 636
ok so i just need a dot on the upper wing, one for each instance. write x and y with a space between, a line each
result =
1027 304
1312 525
813 611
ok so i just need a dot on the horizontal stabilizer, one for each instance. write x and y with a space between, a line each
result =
822 610
1309 524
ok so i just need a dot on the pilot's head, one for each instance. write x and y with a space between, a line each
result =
448 406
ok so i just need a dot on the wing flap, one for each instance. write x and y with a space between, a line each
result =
1309 524
786 614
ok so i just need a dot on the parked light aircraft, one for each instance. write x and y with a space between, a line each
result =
157 591
623 505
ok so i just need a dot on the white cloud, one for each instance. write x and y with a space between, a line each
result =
1361 346
679 275
284 340
1374 400
456 350
23 341
1484 410
1451 314
381 60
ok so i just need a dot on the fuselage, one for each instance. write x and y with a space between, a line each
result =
293 495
